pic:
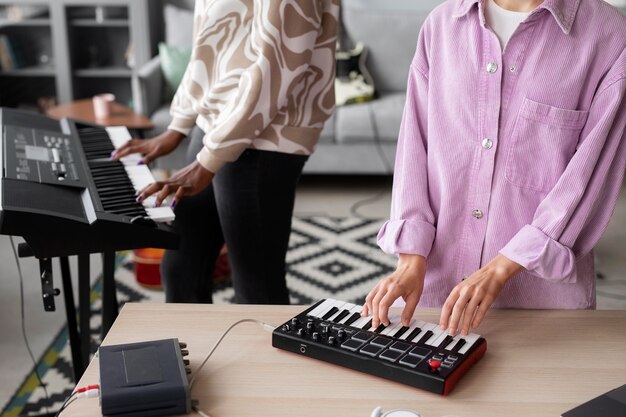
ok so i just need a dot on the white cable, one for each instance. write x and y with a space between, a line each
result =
266 326
202 413
23 323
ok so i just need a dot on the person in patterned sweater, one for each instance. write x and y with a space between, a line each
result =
259 86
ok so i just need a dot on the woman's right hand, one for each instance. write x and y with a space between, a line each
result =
407 282
152 148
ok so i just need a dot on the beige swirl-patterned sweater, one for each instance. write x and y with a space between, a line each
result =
261 76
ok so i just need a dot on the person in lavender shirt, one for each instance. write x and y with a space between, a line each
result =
510 158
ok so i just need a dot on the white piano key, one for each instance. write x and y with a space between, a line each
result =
355 309
315 312
119 135
348 306
160 214
437 342
334 304
426 327
470 339
140 176
361 322
326 309
395 322
338 312
454 342
414 323
352 308
436 333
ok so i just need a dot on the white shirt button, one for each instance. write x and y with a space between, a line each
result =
487 143
477 213
492 67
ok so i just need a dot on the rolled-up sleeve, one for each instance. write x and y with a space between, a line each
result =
570 220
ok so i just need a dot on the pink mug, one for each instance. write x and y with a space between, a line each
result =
102 105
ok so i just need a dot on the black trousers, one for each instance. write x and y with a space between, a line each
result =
248 206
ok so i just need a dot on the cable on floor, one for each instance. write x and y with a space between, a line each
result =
23 324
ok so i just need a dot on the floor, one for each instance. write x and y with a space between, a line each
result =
335 196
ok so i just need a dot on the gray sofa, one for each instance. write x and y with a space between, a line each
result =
359 138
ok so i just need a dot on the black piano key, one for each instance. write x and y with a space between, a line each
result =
113 182
114 193
105 191
427 335
458 345
130 198
413 333
121 205
380 328
341 315
368 325
330 313
96 146
111 178
354 317
97 155
129 212
400 332
445 342
101 167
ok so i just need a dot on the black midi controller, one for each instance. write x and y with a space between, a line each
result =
420 355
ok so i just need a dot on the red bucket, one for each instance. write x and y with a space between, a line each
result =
147 266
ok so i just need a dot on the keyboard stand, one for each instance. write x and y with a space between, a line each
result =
79 332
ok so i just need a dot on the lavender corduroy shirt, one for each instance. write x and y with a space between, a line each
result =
519 152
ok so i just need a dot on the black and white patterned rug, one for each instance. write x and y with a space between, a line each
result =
328 257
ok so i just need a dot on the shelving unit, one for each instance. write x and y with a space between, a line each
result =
72 49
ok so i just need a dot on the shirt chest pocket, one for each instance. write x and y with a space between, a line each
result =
543 141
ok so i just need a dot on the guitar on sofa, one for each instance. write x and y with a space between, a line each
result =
353 83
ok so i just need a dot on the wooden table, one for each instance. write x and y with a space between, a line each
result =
83 110
538 363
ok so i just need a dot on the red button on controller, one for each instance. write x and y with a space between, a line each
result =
434 365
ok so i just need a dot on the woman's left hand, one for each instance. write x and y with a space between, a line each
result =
188 181
469 301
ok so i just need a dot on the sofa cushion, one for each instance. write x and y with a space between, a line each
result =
358 123
174 60
389 57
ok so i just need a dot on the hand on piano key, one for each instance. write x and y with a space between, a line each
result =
416 331
151 149
188 181
469 301
407 281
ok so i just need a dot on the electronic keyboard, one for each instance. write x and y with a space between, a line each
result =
420 355
64 195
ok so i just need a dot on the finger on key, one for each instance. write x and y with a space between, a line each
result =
457 312
385 303
482 310
367 307
162 195
468 315
128 148
409 308
446 310
376 306
149 190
